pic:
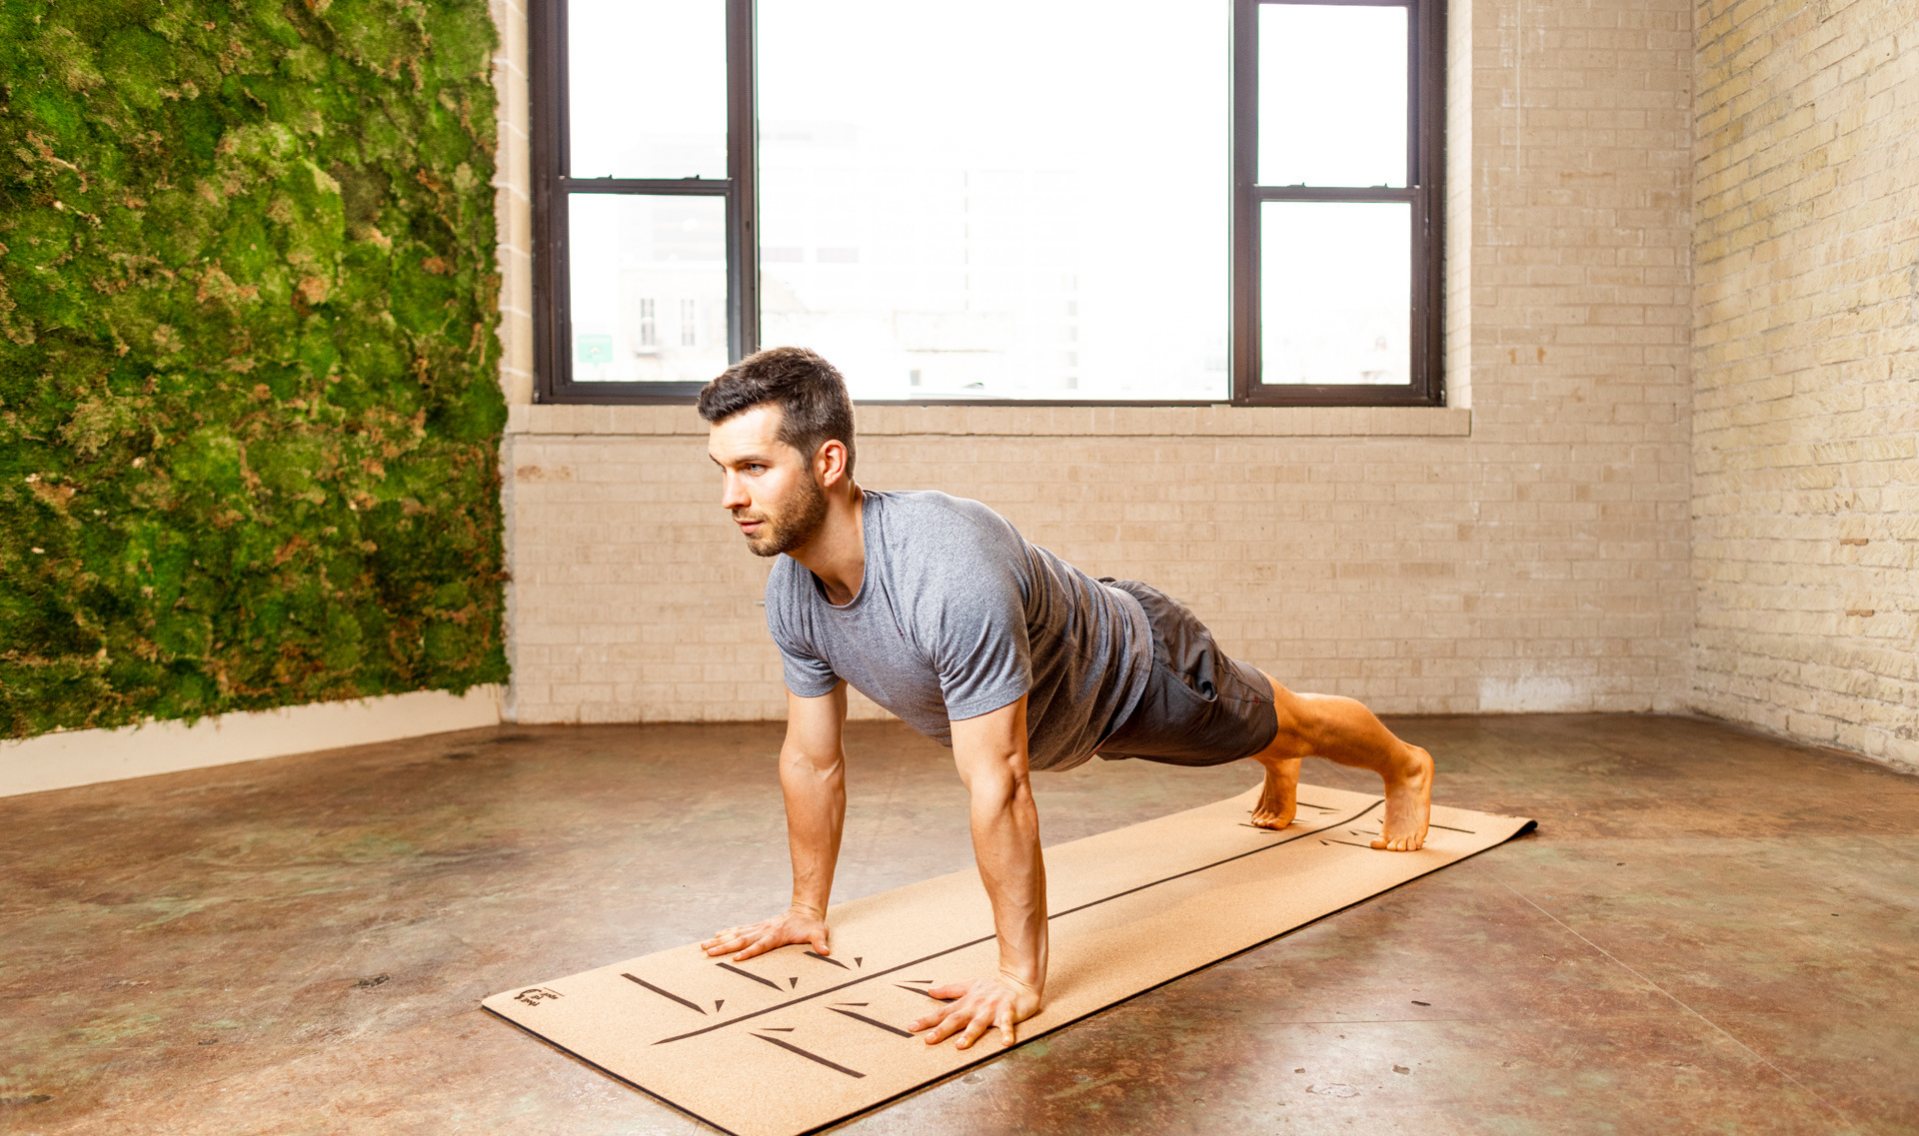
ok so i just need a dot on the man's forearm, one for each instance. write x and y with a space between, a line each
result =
815 813
1006 844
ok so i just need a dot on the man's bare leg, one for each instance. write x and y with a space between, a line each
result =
1342 730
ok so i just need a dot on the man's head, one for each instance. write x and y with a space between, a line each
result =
782 433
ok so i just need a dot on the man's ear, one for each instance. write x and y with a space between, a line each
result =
829 463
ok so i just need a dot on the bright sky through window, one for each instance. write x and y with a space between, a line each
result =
1037 192
646 81
1332 95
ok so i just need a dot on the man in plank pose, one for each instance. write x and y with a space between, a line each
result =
937 609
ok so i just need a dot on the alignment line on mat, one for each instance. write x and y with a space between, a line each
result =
809 1056
989 938
663 993
749 974
871 1021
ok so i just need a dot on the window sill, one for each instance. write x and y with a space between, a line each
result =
877 420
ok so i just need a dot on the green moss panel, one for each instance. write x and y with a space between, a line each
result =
249 406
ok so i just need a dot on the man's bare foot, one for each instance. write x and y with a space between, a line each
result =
1279 797
1409 803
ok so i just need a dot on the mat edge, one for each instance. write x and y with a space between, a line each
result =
598 1068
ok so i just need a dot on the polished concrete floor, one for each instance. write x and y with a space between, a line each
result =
1711 931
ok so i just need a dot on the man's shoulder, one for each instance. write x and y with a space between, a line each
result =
920 515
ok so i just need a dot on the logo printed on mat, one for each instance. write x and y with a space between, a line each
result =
535 995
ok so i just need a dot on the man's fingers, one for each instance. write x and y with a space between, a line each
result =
1006 1037
949 991
723 942
948 1026
975 1030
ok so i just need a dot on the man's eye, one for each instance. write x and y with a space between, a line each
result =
754 468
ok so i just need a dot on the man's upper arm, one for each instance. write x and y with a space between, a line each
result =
992 745
814 726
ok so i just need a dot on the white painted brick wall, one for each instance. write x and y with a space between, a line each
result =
1806 363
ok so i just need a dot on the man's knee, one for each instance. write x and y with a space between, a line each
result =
1297 731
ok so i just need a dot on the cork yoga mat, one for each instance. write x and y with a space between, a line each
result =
791 1041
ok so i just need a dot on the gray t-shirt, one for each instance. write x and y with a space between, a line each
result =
958 615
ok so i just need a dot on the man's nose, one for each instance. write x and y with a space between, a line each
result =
732 493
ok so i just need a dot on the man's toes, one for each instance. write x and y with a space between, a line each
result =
1386 843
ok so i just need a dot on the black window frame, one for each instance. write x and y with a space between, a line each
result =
553 382
549 157
1425 169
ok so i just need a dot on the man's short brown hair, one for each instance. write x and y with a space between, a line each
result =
811 395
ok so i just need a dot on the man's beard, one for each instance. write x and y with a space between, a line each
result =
787 532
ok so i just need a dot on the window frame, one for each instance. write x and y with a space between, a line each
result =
547 75
552 325
1425 168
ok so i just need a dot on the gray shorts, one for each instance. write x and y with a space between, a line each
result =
1201 707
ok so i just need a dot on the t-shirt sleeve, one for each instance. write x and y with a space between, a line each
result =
805 673
977 628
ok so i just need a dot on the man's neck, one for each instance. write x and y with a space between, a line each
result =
837 555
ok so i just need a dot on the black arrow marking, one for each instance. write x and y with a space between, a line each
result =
718 1004
823 958
1350 844
777 1029
751 975
791 983
870 1021
1448 828
917 990
789 1046
1262 849
858 959
850 1003
664 993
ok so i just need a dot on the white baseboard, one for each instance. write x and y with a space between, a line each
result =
83 757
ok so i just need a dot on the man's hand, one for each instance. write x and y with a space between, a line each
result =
977 1006
798 925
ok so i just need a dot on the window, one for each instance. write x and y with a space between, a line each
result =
649 327
1336 162
1172 204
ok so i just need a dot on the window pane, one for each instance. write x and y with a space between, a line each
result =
1335 292
1332 95
646 88
646 279
1002 199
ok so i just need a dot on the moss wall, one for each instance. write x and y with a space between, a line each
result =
249 409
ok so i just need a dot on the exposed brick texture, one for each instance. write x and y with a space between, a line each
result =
1528 553
1806 364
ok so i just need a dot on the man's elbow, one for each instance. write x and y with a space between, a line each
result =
999 789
